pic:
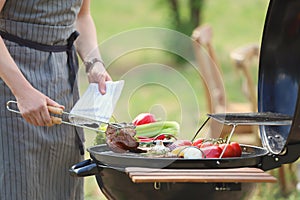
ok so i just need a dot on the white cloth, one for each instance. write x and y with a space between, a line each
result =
93 107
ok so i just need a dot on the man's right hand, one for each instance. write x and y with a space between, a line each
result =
33 107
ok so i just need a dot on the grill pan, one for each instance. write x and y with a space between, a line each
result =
102 155
251 155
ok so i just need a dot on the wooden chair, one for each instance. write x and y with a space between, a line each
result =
242 58
214 86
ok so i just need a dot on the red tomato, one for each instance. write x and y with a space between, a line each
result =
206 144
229 151
198 142
160 137
213 151
237 148
143 118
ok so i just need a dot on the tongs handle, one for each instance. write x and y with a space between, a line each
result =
55 110
55 120
51 109
8 107
58 111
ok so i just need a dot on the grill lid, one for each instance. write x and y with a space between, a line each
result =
279 73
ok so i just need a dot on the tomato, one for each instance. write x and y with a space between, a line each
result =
198 142
213 151
206 144
143 118
237 148
229 151
160 137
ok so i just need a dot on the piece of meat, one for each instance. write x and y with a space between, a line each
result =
120 138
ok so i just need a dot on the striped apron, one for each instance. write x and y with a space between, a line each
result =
34 161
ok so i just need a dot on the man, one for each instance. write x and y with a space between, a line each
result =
38 67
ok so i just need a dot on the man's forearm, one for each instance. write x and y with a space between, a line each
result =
10 73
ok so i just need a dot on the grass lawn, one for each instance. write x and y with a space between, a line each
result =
176 91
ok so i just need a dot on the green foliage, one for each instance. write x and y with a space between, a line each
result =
184 17
100 138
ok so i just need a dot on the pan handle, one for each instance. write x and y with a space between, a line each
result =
90 168
84 168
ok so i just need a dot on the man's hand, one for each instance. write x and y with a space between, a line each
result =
33 107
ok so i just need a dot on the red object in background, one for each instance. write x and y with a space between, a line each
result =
143 118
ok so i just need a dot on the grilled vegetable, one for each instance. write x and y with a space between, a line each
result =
188 152
192 153
237 148
178 151
156 128
179 143
213 151
159 148
198 142
228 150
233 149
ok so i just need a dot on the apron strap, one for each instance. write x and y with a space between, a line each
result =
69 49
72 58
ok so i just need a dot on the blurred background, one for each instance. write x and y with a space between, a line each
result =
168 85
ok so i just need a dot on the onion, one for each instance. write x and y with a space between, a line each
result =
192 153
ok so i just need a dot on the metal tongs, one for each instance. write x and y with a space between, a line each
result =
95 125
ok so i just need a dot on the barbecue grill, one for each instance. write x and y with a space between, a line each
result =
278 118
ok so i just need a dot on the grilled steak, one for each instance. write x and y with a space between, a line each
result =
120 138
